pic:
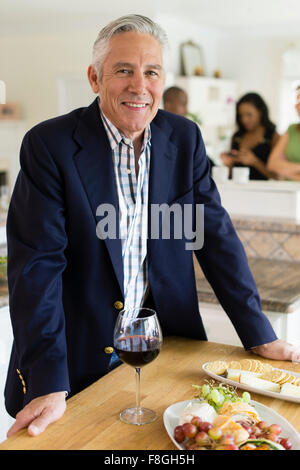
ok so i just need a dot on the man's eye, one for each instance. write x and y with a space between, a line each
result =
152 73
124 71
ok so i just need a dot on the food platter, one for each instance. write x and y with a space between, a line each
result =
253 389
173 412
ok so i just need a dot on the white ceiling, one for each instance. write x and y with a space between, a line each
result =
280 14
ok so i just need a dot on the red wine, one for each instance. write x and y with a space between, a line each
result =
137 351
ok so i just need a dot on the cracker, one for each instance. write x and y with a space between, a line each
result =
274 375
286 378
290 379
234 365
260 367
254 365
297 381
217 367
246 364
266 367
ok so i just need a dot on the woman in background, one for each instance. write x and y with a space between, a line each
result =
255 138
285 158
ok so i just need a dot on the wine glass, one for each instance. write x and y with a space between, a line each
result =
137 340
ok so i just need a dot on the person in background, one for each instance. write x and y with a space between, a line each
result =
285 157
255 138
175 101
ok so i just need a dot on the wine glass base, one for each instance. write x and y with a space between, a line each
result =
138 416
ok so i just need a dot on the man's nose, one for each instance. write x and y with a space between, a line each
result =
137 83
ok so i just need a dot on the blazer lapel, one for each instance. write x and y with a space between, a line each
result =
163 153
95 168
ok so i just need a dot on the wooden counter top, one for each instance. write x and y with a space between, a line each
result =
278 283
91 421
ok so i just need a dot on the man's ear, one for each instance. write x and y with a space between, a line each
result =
93 78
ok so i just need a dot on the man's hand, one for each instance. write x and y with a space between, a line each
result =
278 350
39 413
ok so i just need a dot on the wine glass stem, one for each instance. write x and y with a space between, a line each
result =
138 388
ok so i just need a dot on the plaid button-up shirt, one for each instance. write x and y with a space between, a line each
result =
132 194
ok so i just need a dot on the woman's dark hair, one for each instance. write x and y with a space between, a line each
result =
257 101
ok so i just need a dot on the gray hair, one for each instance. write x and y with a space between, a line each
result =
124 24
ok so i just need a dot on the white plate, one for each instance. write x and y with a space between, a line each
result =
280 396
173 412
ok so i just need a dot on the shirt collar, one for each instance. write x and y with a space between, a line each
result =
115 136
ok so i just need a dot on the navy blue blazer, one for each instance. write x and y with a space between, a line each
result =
63 280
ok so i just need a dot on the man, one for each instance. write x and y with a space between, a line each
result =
175 101
67 284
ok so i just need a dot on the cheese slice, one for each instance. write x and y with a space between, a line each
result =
290 389
259 383
235 374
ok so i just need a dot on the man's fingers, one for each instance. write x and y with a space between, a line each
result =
39 413
48 415
23 419
39 424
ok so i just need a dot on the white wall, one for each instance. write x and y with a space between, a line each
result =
31 65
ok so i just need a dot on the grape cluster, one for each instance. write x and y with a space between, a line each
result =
217 395
201 435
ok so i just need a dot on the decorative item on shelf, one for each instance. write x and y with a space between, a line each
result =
2 92
9 111
192 61
199 72
217 74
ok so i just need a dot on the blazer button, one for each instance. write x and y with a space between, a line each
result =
108 350
118 305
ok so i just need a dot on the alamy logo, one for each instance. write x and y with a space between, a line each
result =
166 222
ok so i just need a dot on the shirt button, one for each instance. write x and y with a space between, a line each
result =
118 304
128 171
108 350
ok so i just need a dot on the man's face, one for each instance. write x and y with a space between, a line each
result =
132 80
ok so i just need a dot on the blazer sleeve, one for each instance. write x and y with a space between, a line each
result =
224 262
37 240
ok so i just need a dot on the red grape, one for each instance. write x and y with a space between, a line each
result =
286 443
205 426
202 438
196 421
262 425
189 430
256 431
275 428
272 437
179 434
